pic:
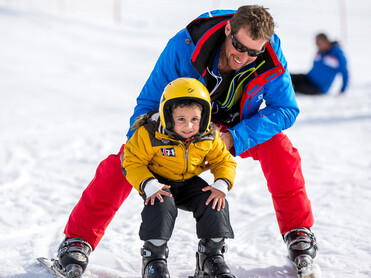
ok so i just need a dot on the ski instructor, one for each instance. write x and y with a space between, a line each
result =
239 59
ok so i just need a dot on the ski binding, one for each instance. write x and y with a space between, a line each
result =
306 268
53 266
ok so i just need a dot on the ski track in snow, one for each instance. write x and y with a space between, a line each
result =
67 89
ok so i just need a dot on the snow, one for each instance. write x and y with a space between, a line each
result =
69 77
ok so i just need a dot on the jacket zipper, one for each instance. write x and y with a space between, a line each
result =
186 161
186 158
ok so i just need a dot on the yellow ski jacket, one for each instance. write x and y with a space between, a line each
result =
150 150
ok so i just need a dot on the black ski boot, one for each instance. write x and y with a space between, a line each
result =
154 264
302 246
210 260
73 256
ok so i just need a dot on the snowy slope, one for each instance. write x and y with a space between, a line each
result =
68 84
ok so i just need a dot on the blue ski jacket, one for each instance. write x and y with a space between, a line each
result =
325 68
194 52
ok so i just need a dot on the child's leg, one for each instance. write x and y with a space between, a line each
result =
154 262
158 220
157 226
212 227
210 222
210 259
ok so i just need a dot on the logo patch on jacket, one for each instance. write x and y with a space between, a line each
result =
168 151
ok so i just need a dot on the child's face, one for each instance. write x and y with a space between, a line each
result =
186 120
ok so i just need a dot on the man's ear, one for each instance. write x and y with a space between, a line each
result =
228 29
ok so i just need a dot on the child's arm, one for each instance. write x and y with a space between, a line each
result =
138 153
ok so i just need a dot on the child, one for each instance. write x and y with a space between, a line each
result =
163 159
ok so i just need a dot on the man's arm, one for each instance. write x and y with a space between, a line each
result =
279 114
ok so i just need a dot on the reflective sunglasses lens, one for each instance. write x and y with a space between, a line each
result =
239 46
255 53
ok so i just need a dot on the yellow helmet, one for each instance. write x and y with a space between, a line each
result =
185 88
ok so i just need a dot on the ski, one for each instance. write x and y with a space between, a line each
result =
52 266
207 276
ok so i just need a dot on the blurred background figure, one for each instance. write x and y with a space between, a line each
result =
328 62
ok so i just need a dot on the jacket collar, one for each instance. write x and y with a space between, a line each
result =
206 34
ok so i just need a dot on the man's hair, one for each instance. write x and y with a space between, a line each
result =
185 103
255 19
322 36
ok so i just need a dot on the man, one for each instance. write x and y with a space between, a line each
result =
239 59
328 62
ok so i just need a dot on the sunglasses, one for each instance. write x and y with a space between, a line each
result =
241 48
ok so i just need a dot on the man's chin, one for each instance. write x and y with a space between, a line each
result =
235 66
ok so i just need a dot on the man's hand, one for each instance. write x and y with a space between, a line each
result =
122 157
158 195
217 196
227 139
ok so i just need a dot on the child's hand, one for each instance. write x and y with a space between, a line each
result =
158 195
217 196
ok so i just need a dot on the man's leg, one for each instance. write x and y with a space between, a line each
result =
99 202
281 165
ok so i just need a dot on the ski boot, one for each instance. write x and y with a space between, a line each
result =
154 264
73 256
210 260
302 247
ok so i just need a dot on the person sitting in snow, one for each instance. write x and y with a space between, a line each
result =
238 57
162 161
328 62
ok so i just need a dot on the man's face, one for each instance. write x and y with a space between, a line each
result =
323 45
235 59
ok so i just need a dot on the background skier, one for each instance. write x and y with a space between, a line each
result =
328 63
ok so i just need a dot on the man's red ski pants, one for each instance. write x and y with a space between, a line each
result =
280 162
